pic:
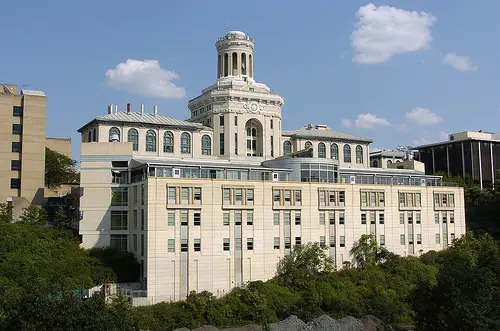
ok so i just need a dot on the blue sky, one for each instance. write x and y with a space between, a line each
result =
400 72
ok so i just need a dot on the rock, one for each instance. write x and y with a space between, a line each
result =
292 323
350 323
322 323
182 329
245 328
206 328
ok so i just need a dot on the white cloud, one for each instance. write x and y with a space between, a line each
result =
419 142
423 116
461 63
368 121
346 123
145 78
381 32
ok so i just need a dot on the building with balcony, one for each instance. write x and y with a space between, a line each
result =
215 201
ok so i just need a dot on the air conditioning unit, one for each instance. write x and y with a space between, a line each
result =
352 179
176 173
276 177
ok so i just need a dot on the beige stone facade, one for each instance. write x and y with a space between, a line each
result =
215 201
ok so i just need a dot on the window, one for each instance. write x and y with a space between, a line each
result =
171 218
236 144
436 218
236 121
276 219
444 200
134 217
359 154
452 236
150 141
321 150
249 196
308 145
287 243
341 218
410 239
276 196
418 218
171 245
184 245
226 244
197 245
197 219
297 218
250 244
272 145
238 195
168 142
372 217
342 241
334 151
286 218
276 243
445 239
221 120
143 220
143 191
17 129
237 217
322 241
185 195
438 238
114 134
15 183
298 240
410 217
298 197
185 143
119 220
225 218
401 218
133 137
184 218
206 145
16 147
119 196
382 240
271 123
409 199
402 239
143 245
226 195
287 147
321 218
119 242
419 239
372 199
172 196
17 111
15 165
381 218
332 241
134 242
347 153
452 218
250 218
363 218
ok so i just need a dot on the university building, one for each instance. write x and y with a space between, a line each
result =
215 201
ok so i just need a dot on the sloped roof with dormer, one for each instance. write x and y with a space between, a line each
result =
323 132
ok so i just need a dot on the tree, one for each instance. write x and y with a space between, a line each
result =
123 264
366 251
34 215
61 220
59 169
300 266
5 213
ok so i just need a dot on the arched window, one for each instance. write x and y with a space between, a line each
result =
308 144
243 64
89 136
334 151
389 162
226 64
287 147
250 65
219 66
133 137
321 150
185 143
114 134
234 71
254 137
94 134
168 142
359 154
347 153
150 141
206 145
375 163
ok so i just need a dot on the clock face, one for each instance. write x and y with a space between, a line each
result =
254 106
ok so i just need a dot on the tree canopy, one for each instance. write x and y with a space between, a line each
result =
59 169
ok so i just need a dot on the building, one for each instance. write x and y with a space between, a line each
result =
466 154
215 201
384 158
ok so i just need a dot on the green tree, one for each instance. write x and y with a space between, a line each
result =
367 251
124 264
5 213
34 215
61 220
299 267
59 169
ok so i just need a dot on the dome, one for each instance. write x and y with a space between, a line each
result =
236 34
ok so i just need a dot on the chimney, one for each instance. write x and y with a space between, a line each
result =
142 109
110 109
128 108
116 109
156 110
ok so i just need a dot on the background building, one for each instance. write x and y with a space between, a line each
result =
215 201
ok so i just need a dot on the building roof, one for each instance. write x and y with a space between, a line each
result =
146 118
33 92
323 132
388 153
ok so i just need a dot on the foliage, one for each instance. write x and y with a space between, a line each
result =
124 264
366 251
5 213
34 215
59 169
61 220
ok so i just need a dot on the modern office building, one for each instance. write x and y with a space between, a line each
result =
466 154
215 201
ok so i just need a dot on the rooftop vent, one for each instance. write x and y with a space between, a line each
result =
321 127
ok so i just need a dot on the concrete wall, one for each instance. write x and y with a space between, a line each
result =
60 145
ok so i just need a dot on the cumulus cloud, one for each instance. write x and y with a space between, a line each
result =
145 78
384 31
368 121
346 123
423 116
460 63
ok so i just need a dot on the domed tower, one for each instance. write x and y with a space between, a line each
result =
235 55
245 115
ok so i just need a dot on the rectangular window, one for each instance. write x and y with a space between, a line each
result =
134 194
419 239
436 218
221 143
402 239
288 196
445 219
237 217
342 241
341 218
225 218
226 244
172 195
236 143
185 195
119 242
221 120
171 245
237 244
382 240
15 165
119 220
372 199
238 194
287 243
297 218
401 218
143 220
197 195
381 218
418 200
381 197
134 216
332 241
363 199
250 218
452 236
276 219
271 123
452 218
322 218
438 238
143 245
286 218
197 245
409 199
410 239
250 244
322 241
171 218
363 218
342 197
272 146
445 238
321 198
418 218
276 196
249 196
372 217
331 217
184 245
197 219
298 240
119 196
184 218
236 121
227 196
401 199
17 111
17 129
276 242
16 147
298 197
410 217
142 194
134 242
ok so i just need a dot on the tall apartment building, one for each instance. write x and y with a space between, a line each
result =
215 201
